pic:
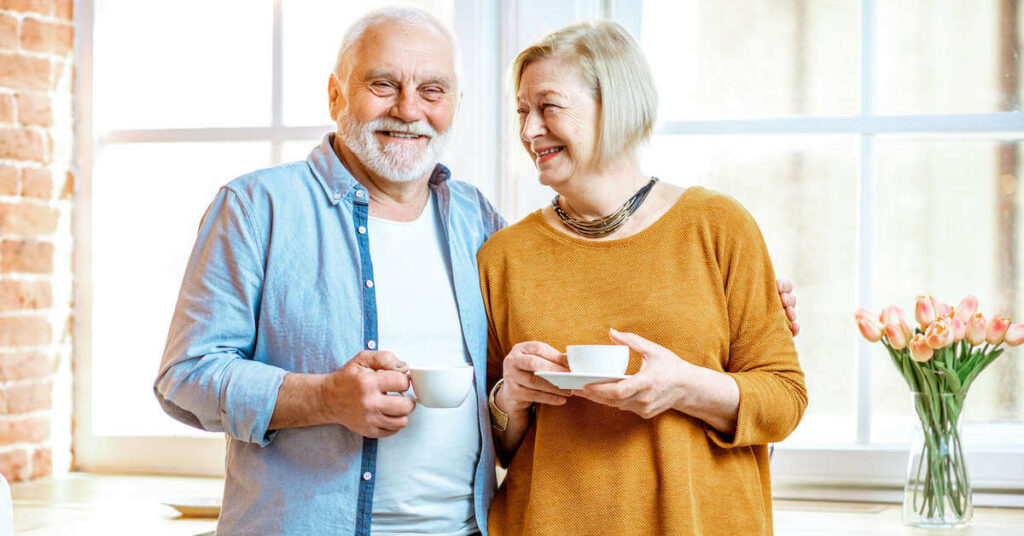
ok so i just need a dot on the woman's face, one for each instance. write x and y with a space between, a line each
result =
558 119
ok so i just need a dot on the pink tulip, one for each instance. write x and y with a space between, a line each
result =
939 335
958 327
996 329
924 311
897 337
919 349
1015 334
976 329
942 308
892 315
966 309
868 327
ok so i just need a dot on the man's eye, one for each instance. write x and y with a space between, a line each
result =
521 111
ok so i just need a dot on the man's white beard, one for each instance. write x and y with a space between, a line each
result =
397 162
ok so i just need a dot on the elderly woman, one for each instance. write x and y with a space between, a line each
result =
684 276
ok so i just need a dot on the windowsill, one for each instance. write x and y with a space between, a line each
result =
882 495
85 503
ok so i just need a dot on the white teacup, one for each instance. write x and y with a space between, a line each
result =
441 387
598 359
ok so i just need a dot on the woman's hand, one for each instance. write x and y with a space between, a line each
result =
522 388
658 386
667 382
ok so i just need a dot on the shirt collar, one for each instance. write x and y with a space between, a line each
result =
339 184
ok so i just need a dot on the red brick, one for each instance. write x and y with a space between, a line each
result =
18 295
34 109
14 465
6 108
27 219
15 399
25 331
42 462
42 7
68 189
37 183
9 180
64 9
24 366
42 36
22 144
24 72
27 430
8 32
26 256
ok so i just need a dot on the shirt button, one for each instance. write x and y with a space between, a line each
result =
367 475
369 283
362 230
371 344
359 193
337 195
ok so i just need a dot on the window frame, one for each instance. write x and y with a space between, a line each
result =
492 32
862 464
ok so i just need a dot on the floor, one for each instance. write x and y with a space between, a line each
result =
86 504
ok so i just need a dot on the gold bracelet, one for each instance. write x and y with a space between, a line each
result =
499 419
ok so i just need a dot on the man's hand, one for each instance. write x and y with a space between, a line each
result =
522 388
355 396
788 302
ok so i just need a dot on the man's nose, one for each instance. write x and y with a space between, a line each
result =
407 107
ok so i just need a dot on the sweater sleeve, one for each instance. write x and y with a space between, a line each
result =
762 358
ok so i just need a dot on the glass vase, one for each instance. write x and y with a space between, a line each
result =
938 491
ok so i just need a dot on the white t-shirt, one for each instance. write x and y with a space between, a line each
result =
425 471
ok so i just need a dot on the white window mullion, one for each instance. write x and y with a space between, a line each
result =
277 81
866 215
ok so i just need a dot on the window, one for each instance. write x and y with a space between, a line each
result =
878 145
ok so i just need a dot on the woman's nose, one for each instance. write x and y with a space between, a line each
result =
533 126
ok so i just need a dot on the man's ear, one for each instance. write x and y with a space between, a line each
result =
335 97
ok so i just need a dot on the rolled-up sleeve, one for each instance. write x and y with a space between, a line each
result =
208 377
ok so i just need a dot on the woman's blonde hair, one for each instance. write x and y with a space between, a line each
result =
612 63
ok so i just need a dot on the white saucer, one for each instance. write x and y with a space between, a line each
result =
196 506
576 380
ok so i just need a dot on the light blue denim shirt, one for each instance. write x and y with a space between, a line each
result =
277 283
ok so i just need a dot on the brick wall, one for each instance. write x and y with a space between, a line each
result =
35 232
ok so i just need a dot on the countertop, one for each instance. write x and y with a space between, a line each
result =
86 504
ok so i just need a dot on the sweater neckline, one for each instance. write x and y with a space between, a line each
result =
537 219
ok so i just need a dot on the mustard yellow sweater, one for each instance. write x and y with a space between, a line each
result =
697 281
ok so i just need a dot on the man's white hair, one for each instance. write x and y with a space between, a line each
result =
404 15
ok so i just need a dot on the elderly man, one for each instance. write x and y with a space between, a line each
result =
314 285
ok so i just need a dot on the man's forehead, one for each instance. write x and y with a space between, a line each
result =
405 48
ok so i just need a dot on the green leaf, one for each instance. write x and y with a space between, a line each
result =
951 378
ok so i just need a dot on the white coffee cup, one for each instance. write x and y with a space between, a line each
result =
441 387
598 359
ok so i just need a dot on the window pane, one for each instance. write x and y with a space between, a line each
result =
948 225
297 150
802 192
312 34
948 56
714 58
189 63
147 203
